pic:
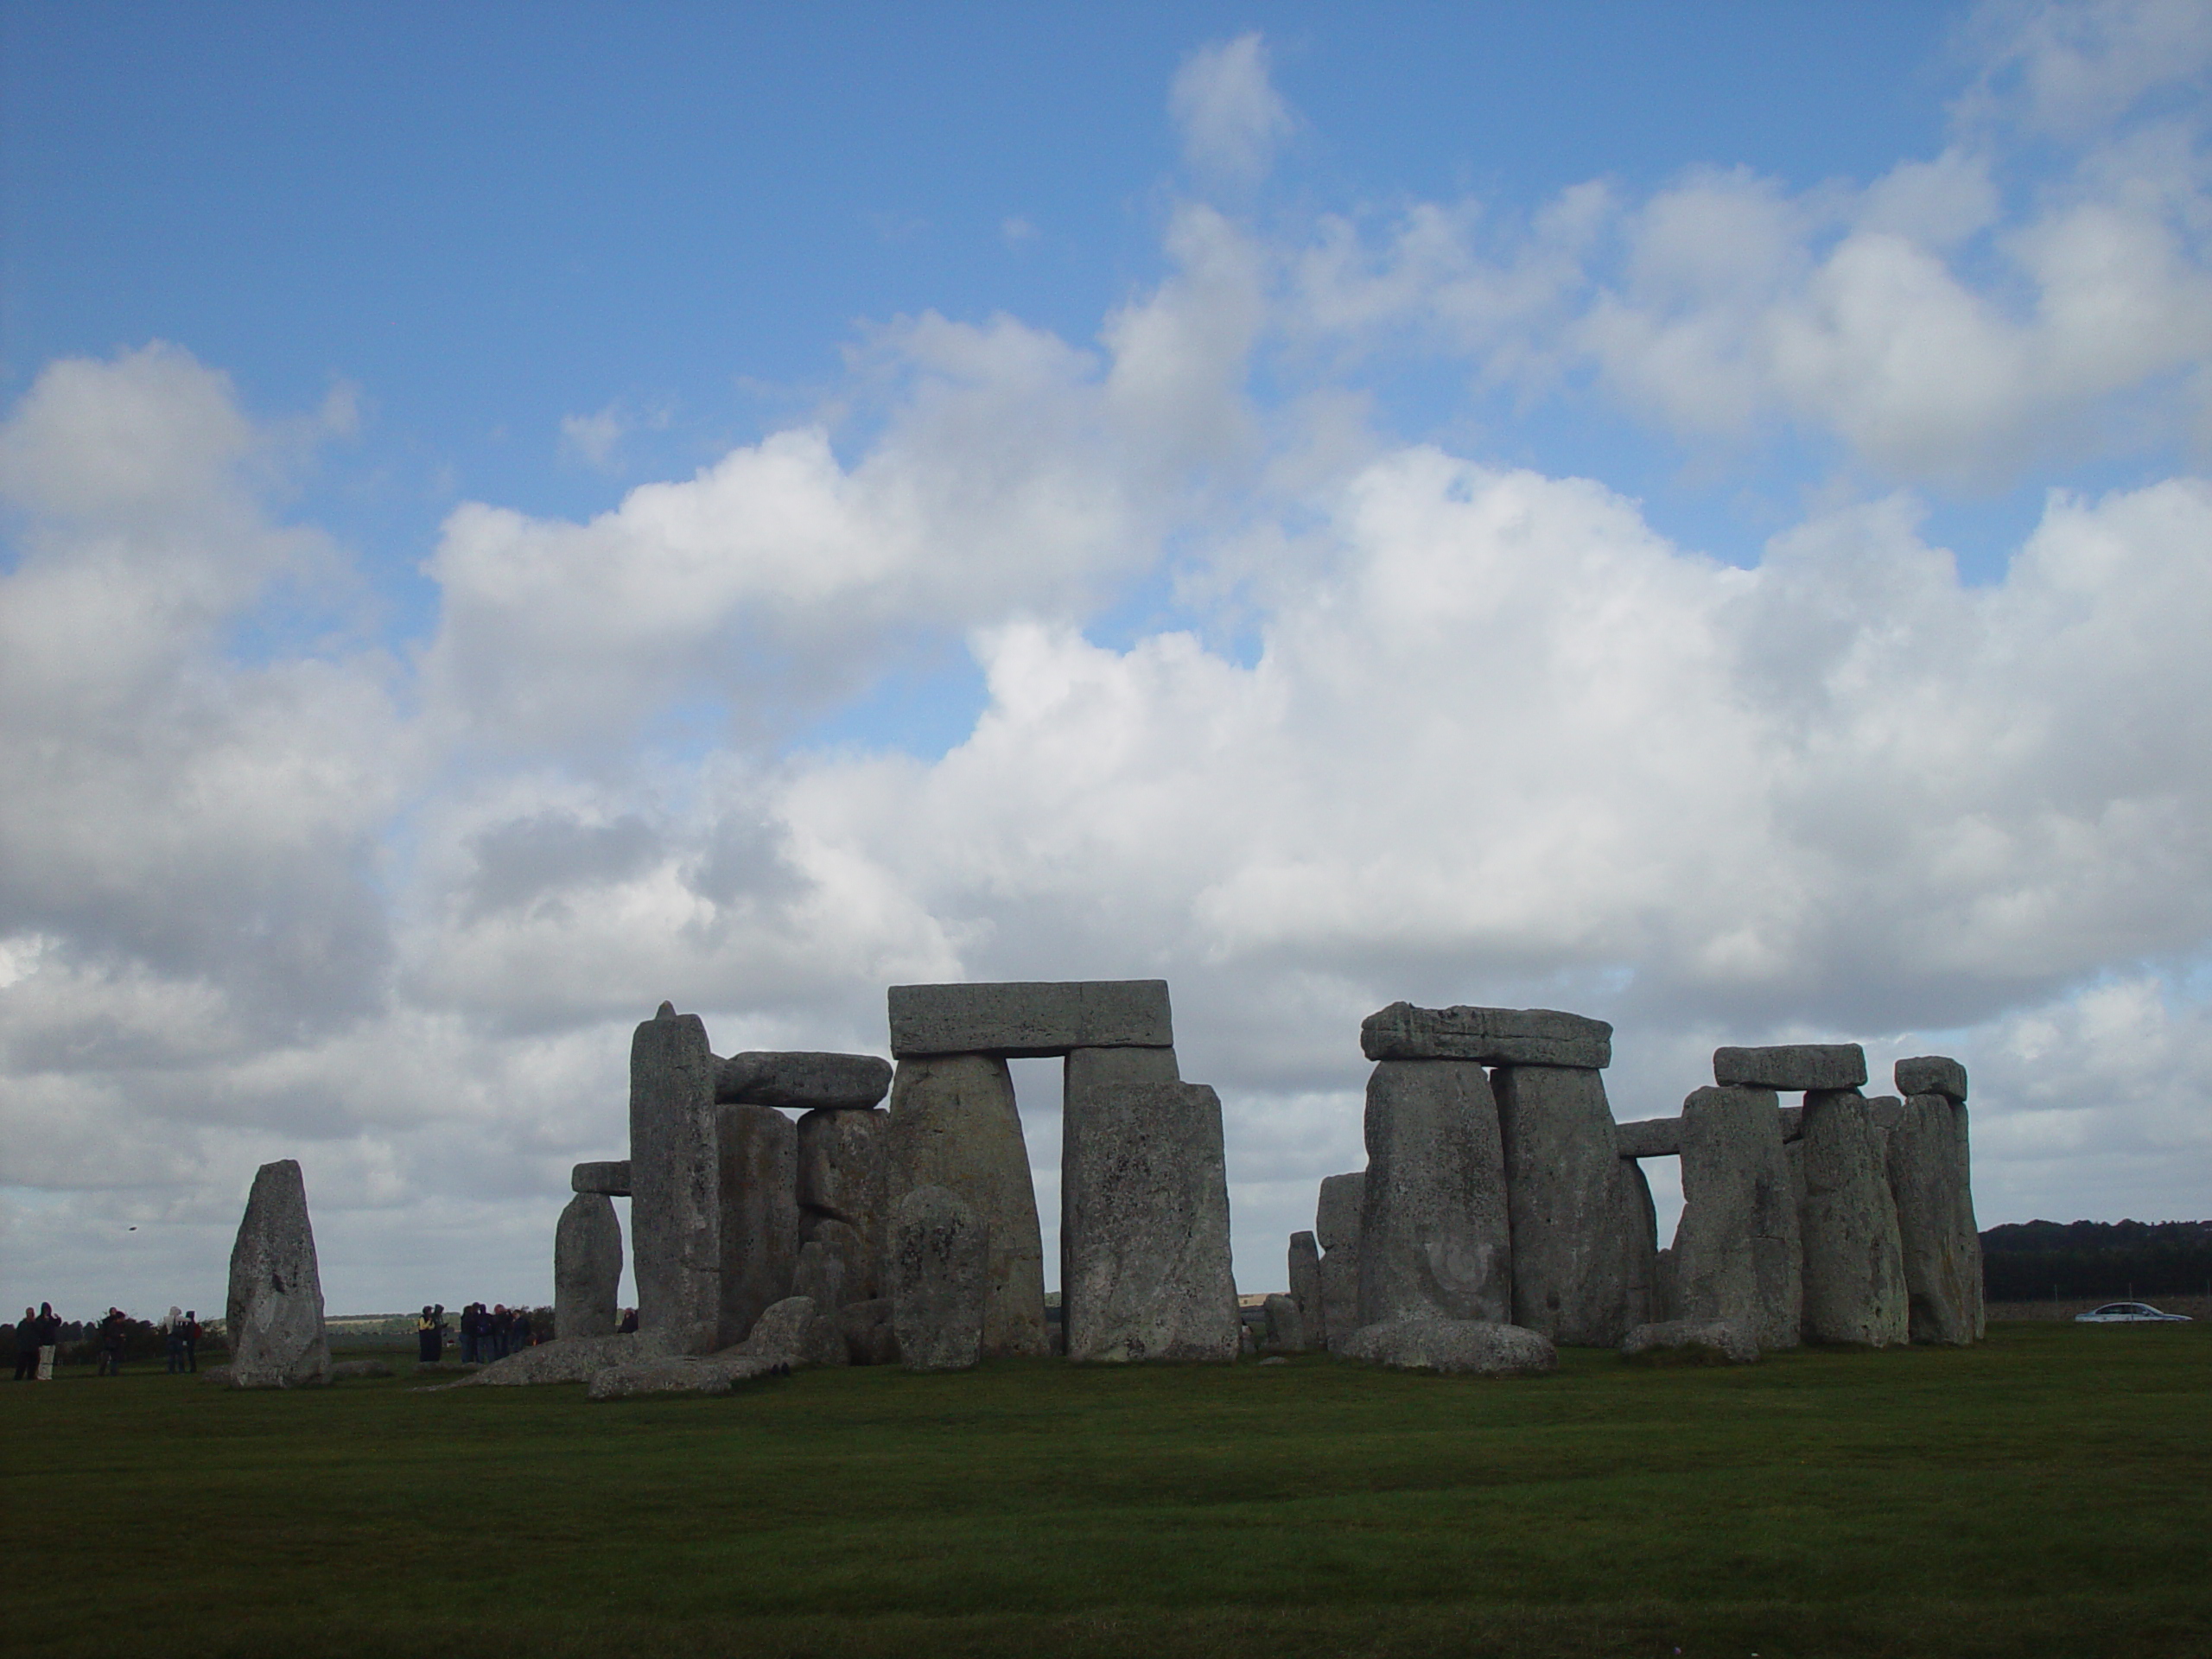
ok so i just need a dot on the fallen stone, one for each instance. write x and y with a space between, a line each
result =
676 1373
1791 1067
1932 1074
954 1124
274 1315
1480 1347
1494 1036
757 1157
1029 1019
1306 1288
819 1277
939 1269
1581 1252
806 1082
567 1359
1433 1238
1930 1178
870 1337
1737 1247
586 1267
781 1334
1711 1342
675 1254
1649 1137
610 1176
1144 1225
1854 1268
1286 1326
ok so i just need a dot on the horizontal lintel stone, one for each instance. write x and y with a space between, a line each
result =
1791 1067
1652 1137
802 1081
1932 1074
611 1176
1493 1036
1025 1019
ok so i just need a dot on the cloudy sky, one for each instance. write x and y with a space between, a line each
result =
1696 515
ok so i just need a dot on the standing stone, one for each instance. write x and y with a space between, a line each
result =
1855 1265
841 1179
1305 1287
1144 1196
1929 1176
758 1162
1286 1326
586 1268
819 1277
676 1199
1433 1238
953 1124
940 1280
860 1262
274 1316
1336 1228
1579 1248
1651 1292
1737 1249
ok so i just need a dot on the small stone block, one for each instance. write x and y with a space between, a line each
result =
1494 1036
1932 1074
1029 1019
1791 1067
610 1178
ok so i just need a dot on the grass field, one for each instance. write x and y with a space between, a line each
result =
2047 1493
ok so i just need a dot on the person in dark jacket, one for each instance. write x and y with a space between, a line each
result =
191 1340
27 1345
426 1337
503 1332
111 1342
49 1341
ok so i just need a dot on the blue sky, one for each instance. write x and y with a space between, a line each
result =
1688 513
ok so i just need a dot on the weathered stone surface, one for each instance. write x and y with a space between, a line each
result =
1650 1293
1649 1137
274 1316
1479 1346
953 1124
675 1253
802 1081
1793 1124
1854 1264
567 1359
1791 1067
844 1191
1930 1178
1306 1288
1736 1246
1030 1018
1433 1238
1144 1225
758 1160
586 1267
860 1262
1286 1326
1336 1218
1580 1255
870 1337
779 1334
1712 1342
820 1277
610 1176
1494 1036
1932 1074
1339 1295
675 1374
939 1270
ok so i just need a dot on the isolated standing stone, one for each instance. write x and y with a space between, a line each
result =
842 1185
954 1124
1286 1326
1031 1019
1930 1178
1305 1287
586 1268
274 1316
1791 1067
1336 1228
1737 1249
1144 1196
1434 1237
939 1270
1579 1248
758 1151
675 1196
1855 1265
1494 1036
803 1082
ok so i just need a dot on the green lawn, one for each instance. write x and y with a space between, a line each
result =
2047 1493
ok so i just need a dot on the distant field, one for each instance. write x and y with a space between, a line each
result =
2047 1493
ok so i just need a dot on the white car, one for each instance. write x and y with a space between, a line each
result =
2129 1314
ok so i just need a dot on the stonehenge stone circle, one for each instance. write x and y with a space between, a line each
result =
274 1313
1929 1174
757 1153
1474 1346
1305 1264
954 1124
610 1178
1494 1036
1792 1066
802 1081
1030 1019
1932 1074
676 1212
1433 1239
1336 1228
843 1195
1715 1342
1144 1195
1737 1250
939 1270
1581 1266
586 1268
1854 1264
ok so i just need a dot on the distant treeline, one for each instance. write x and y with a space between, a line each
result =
2031 1261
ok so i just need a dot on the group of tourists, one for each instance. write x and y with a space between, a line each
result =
183 1332
486 1333
37 1334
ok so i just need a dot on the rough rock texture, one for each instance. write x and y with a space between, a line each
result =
939 1269
1855 1265
1434 1237
859 1260
802 1081
586 1267
1336 1228
568 1359
1651 1293
1736 1246
1340 1295
1494 1036
1581 1256
1931 1177
1791 1067
1473 1345
610 1176
842 1191
1715 1342
1030 1018
953 1124
819 1277
1306 1288
758 1153
675 1374
275 1312
1144 1225
1286 1326
1932 1074
675 1209
1649 1137
779 1335
870 1337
